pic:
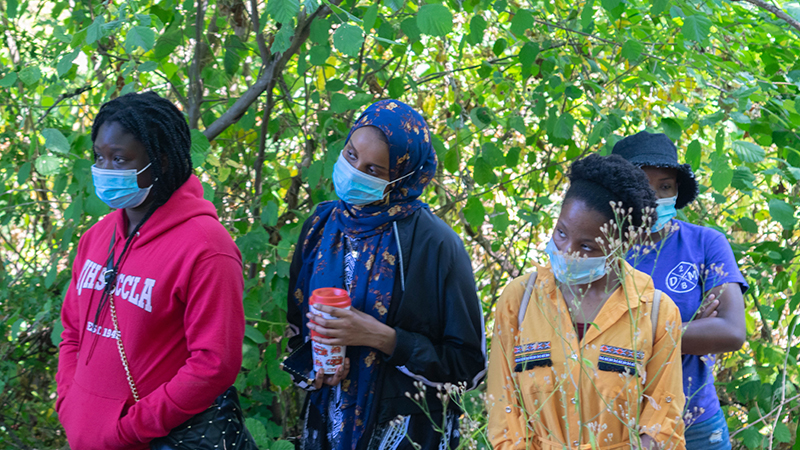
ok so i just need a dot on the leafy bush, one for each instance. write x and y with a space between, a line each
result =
513 91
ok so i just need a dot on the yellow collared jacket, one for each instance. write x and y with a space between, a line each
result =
547 390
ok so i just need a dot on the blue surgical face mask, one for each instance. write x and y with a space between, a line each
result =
356 187
666 211
119 188
572 270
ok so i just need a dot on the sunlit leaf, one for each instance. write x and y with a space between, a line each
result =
435 20
748 152
782 212
55 141
348 39
283 11
696 28
140 37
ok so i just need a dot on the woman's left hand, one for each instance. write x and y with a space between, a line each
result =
352 327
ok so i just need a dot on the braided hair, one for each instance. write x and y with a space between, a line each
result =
599 180
161 128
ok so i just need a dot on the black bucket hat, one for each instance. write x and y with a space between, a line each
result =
656 150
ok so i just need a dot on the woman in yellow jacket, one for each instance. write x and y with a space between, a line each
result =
586 353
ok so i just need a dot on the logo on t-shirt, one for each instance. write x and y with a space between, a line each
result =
683 277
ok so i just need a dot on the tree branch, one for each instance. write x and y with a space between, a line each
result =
63 97
262 44
775 10
266 79
195 98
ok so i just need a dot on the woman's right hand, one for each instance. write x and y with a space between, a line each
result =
332 379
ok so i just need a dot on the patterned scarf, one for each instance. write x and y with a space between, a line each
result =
410 150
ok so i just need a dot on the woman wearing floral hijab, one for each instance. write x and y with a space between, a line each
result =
415 315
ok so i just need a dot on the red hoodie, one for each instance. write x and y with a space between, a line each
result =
179 305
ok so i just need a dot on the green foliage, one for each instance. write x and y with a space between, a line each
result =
513 92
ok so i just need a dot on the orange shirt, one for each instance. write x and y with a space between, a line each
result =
546 390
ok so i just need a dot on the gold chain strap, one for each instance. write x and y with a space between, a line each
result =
121 348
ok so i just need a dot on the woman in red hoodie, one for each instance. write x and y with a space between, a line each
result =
153 318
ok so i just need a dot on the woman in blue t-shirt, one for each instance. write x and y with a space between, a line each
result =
691 264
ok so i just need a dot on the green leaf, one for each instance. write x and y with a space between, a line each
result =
8 80
493 155
610 5
516 122
783 213
320 30
671 128
269 216
370 16
281 445
474 211
587 15
318 55
141 37
481 117
396 87
167 43
721 170
696 28
452 160
55 141
348 39
748 225
24 172
339 103
528 53
253 244
752 438
147 66
47 165
258 432
55 336
522 22
232 58
11 8
658 7
632 50
477 27
200 147
694 153
310 6
65 63
435 20
95 30
254 335
30 75
565 126
283 39
410 29
748 152
782 433
283 11
95 207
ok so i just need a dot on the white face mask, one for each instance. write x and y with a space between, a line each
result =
119 189
575 270
356 187
666 211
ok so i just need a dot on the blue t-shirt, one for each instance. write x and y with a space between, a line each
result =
689 262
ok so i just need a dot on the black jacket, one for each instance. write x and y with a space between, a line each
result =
438 318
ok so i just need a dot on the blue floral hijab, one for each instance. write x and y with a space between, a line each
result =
411 154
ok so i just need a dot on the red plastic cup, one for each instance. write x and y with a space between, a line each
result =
328 358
